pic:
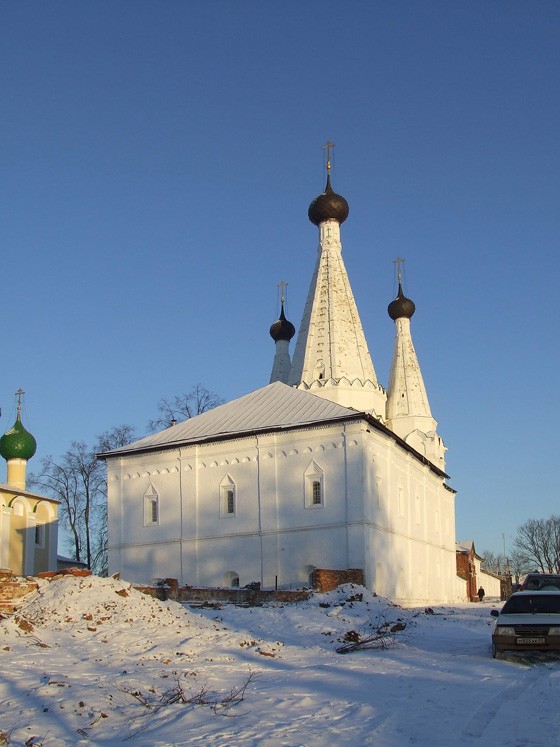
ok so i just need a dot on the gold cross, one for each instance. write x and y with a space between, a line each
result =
327 146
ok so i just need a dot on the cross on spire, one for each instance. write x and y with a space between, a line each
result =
19 395
399 262
282 285
327 146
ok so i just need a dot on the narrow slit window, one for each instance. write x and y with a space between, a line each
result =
316 493
230 502
39 534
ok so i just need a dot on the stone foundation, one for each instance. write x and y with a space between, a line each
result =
169 589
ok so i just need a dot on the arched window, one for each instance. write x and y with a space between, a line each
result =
151 507
228 497
314 486
231 579
309 575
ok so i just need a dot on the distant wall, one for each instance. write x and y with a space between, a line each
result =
491 584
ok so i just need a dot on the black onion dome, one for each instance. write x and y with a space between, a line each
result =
328 206
282 329
401 307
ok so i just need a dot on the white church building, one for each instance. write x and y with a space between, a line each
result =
321 469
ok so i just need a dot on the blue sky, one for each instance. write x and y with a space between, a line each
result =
157 162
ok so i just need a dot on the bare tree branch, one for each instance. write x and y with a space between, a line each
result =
537 544
78 481
184 406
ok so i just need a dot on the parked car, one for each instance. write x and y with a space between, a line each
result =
534 581
528 621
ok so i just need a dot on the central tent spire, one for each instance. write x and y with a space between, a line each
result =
331 356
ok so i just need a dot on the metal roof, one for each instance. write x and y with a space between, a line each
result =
272 407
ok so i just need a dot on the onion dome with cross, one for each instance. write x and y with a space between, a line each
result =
329 205
282 329
402 307
17 443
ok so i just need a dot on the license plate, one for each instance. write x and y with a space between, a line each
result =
530 641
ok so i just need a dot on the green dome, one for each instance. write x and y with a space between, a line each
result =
17 443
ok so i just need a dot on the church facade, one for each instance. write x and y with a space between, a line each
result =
28 521
321 468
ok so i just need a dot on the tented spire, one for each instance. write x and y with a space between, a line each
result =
281 332
331 355
408 409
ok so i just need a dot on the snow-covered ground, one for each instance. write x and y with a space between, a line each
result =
91 661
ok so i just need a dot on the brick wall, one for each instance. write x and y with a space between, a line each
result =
12 590
466 570
323 580
327 580
170 589
463 564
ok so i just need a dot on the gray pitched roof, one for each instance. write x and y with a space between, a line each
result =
276 406
467 546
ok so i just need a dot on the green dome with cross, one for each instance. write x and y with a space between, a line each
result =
17 443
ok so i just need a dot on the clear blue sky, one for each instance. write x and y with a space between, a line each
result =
157 162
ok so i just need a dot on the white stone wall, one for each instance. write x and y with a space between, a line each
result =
382 510
490 584
411 526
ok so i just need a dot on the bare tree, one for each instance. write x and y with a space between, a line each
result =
78 481
495 562
184 406
520 565
114 438
537 544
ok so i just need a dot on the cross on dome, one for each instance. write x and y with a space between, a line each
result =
19 395
327 146
329 205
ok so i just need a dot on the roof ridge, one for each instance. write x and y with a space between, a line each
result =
275 405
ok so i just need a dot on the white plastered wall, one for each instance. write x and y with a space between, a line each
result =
382 510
